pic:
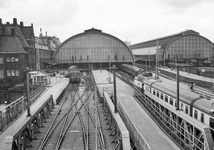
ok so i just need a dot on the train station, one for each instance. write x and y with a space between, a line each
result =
96 92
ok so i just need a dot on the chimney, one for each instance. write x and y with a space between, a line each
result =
21 24
14 21
0 21
13 32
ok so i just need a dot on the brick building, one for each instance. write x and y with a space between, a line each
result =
17 51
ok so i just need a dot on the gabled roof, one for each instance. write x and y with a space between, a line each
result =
27 32
10 44
21 36
93 30
162 41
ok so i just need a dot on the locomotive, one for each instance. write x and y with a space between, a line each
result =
74 76
131 69
193 123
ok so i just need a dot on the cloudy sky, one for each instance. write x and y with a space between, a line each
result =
129 20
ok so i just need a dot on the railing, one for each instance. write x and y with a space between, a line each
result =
12 111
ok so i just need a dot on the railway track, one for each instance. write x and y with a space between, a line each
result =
76 124
61 122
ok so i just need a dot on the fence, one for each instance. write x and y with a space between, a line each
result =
12 111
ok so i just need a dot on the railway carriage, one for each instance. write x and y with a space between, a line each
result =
132 70
193 123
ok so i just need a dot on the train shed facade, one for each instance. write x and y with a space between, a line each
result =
92 47
187 47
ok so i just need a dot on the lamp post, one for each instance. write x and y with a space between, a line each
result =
177 81
28 93
115 94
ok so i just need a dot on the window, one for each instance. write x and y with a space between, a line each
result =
196 114
108 57
17 72
12 59
72 57
115 57
181 106
16 59
123 57
7 59
153 91
157 93
202 117
186 110
8 73
87 57
171 101
81 57
12 72
147 88
161 96
166 98
1 73
1 60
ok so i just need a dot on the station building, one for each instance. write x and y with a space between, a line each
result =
187 47
92 48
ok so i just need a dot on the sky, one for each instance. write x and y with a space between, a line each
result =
129 20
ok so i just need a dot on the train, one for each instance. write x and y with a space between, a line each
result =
192 122
131 69
74 76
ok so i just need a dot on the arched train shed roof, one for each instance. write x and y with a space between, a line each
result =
186 44
93 46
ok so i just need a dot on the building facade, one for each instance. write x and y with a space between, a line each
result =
16 52
45 47
93 47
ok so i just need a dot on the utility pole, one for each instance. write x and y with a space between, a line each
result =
177 79
157 60
28 95
115 91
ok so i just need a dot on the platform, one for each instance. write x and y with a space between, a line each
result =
54 89
146 127
189 75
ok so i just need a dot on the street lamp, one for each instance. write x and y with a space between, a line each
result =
177 81
28 93
115 94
